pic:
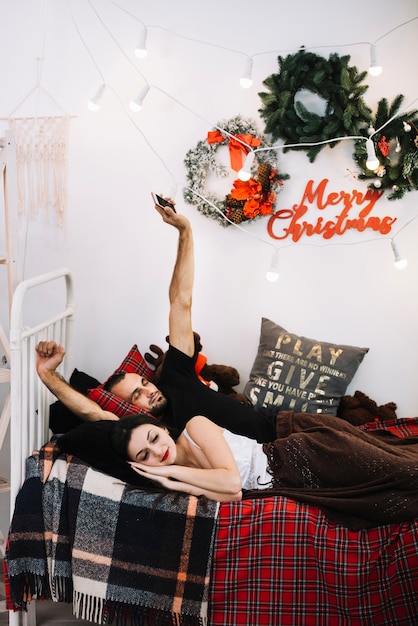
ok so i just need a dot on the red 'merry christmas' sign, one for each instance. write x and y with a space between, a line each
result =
355 214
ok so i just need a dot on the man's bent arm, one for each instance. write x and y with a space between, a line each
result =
49 356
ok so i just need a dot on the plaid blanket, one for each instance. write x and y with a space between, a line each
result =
278 562
114 551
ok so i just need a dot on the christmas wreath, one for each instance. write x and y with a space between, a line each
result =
333 80
396 147
247 200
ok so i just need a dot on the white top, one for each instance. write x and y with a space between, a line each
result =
249 457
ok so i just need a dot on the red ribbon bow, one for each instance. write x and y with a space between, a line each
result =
237 150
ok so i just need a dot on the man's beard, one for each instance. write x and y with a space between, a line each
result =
158 409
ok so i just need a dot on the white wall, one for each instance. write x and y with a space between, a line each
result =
114 242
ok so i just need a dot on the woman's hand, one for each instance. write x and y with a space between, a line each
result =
160 474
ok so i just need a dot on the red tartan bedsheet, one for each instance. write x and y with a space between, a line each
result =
280 563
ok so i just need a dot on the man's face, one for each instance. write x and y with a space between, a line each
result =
140 392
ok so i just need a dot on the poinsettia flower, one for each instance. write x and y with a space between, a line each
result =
245 189
266 207
252 208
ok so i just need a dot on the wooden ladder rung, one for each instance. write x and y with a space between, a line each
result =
4 484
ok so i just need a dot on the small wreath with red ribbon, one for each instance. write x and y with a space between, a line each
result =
247 200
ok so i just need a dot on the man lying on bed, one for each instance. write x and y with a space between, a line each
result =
180 395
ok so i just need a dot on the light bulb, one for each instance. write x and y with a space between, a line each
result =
246 79
245 172
94 104
272 274
400 262
136 103
141 47
375 69
372 162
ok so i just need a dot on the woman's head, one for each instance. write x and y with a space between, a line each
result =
145 440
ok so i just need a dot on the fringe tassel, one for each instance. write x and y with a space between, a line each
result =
24 588
88 607
61 589
135 615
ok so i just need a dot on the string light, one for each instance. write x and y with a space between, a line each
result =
245 172
136 103
372 162
375 69
246 79
272 274
141 48
400 262
94 103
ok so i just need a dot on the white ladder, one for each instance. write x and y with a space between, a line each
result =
8 259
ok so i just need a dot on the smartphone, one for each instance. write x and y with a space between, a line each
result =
162 202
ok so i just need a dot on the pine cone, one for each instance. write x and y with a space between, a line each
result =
263 175
233 203
237 216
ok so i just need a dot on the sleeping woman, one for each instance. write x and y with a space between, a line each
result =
204 460
358 477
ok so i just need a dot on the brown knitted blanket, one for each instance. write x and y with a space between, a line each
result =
360 478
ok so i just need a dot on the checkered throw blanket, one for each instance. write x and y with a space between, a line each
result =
278 562
128 554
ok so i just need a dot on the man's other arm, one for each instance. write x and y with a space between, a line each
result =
49 355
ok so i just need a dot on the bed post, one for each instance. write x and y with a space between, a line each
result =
30 399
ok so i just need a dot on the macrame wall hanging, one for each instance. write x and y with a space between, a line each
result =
42 164
41 153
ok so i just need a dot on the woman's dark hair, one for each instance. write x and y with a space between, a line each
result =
121 434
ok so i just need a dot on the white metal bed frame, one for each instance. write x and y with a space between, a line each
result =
30 399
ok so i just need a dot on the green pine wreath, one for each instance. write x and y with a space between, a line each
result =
246 201
396 147
334 81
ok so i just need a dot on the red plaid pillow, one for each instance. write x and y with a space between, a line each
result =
108 401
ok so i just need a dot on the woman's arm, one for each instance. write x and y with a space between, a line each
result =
220 481
175 485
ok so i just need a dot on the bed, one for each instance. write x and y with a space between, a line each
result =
121 555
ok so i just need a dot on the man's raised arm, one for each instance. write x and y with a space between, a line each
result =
181 285
49 355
